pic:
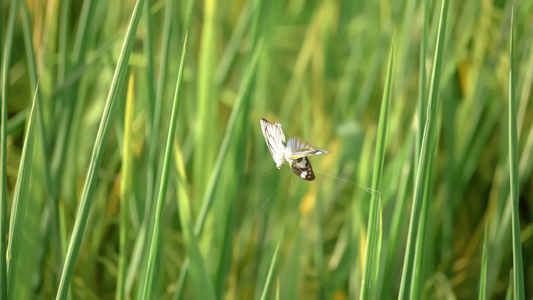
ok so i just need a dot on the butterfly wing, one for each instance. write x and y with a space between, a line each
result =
302 167
275 140
300 148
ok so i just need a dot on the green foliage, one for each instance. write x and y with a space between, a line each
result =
110 192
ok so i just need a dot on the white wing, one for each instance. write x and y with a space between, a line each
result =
275 140
300 148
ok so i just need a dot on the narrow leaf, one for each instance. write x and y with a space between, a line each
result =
264 295
513 164
97 154
483 275
6 55
372 253
147 281
424 159
125 188
18 209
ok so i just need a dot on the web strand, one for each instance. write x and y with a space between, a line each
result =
271 195
366 189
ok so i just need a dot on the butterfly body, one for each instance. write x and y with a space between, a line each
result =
294 152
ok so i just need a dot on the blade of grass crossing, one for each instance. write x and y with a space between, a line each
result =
264 295
372 253
154 119
423 160
484 264
513 163
164 179
18 209
3 151
398 217
418 273
98 152
125 188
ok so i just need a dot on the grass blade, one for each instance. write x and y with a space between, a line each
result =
50 185
422 167
125 188
420 249
264 295
3 141
372 253
97 154
513 164
213 179
202 285
206 103
147 281
483 275
18 210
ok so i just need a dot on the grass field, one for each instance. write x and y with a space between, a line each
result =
134 167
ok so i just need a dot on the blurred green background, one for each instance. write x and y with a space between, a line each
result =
319 69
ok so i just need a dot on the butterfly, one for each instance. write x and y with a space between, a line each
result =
294 152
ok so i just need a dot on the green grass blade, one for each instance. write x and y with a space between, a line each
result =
421 108
18 209
422 167
6 61
509 294
372 253
201 281
206 102
147 281
420 249
484 266
98 152
125 188
159 100
226 61
154 116
398 218
513 164
208 196
243 95
374 292
50 185
264 295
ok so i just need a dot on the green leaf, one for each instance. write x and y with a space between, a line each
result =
213 179
6 62
424 162
125 188
20 200
373 248
513 164
268 281
97 154
484 266
147 281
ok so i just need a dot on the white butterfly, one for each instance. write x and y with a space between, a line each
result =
294 152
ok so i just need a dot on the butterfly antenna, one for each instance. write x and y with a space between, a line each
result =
365 188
